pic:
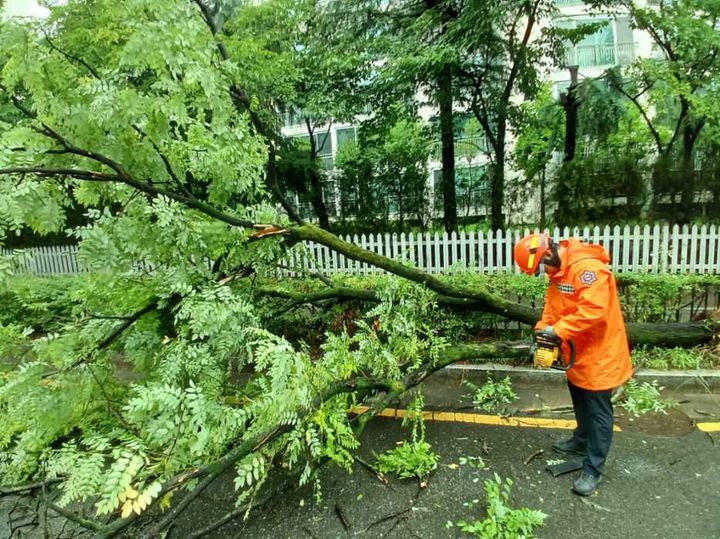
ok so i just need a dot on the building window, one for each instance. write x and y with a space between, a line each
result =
345 137
323 147
468 135
472 191
292 116
610 45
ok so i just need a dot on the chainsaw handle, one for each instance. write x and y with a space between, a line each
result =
567 367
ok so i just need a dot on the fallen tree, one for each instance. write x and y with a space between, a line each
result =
153 134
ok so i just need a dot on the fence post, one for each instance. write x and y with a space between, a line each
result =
693 248
481 260
509 242
420 251
714 249
664 252
636 248
702 260
491 252
675 249
685 237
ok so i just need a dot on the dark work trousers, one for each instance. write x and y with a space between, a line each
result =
594 416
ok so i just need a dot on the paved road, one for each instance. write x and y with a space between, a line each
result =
662 481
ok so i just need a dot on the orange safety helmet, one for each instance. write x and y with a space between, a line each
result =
530 250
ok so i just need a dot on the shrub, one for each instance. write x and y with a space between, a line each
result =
492 394
641 398
502 522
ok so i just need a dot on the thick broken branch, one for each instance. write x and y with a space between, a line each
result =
361 385
486 301
684 335
84 522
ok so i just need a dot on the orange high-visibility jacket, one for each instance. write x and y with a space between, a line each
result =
582 305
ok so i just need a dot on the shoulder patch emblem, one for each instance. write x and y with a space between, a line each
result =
588 277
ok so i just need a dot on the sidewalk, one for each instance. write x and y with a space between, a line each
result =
697 391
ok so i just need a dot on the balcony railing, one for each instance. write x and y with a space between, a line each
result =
562 3
600 55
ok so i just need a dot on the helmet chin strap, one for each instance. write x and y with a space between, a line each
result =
540 272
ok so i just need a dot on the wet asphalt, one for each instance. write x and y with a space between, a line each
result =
662 479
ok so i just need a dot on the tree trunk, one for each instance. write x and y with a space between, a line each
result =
670 335
316 192
497 179
316 198
570 104
687 178
447 139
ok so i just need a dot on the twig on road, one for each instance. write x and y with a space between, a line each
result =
534 455
380 477
594 505
342 516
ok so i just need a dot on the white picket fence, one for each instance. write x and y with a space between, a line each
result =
659 249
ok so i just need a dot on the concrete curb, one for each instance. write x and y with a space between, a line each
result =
701 380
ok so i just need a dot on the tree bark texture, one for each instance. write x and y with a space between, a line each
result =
497 179
447 139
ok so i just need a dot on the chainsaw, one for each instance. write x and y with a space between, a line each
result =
548 352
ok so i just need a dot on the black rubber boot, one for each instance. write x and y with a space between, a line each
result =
570 447
586 484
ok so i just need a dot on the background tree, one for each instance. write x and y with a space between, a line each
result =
539 136
674 92
383 177
502 47
606 180
409 59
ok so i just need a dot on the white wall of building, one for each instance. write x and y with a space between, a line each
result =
24 8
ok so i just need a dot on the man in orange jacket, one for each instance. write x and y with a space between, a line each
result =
582 305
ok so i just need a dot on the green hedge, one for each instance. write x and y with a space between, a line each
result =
44 304
41 303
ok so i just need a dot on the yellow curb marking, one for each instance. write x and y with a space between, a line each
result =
708 427
482 419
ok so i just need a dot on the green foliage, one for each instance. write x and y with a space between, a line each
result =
585 190
409 459
492 394
413 458
70 407
669 358
642 398
644 298
383 177
656 298
43 304
502 521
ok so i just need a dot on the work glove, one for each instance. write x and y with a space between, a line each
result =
549 330
547 334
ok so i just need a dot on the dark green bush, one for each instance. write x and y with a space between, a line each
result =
40 303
